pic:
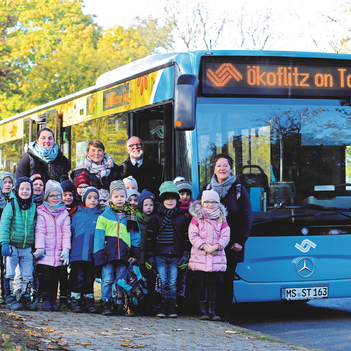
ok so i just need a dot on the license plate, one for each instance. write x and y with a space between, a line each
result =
318 292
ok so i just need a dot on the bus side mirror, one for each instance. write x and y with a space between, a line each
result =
185 102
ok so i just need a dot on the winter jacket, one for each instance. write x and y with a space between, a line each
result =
181 244
83 230
238 205
96 182
149 175
30 164
17 228
52 234
112 241
205 231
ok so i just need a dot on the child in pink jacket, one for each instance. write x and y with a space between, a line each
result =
209 234
52 242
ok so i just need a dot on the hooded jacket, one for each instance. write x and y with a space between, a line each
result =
83 230
52 234
204 231
112 240
17 227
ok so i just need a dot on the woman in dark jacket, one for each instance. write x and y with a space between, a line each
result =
43 157
237 201
100 166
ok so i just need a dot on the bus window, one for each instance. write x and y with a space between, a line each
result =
295 144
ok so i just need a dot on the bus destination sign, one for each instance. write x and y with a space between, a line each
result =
276 76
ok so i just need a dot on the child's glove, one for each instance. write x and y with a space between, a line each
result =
38 254
65 257
183 262
5 250
150 263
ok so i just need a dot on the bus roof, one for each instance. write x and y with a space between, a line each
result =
187 62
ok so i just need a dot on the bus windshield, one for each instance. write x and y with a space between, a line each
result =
288 153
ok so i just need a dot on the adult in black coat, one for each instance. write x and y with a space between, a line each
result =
100 167
237 201
43 157
148 173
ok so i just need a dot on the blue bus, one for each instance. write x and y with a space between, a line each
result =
284 117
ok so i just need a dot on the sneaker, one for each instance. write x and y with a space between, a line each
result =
106 307
171 308
163 309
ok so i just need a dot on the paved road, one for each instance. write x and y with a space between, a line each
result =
100 333
324 324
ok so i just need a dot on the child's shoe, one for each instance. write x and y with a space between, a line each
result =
54 306
63 302
89 305
46 304
202 311
12 303
211 311
76 305
106 307
171 308
163 309
28 304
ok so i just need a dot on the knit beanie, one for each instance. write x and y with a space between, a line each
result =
88 190
117 185
209 195
182 184
130 179
131 192
67 185
104 195
143 196
82 178
52 185
36 176
168 189
4 174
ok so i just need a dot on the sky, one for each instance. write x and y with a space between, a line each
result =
296 25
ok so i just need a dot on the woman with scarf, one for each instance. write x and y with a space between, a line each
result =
43 157
100 166
237 201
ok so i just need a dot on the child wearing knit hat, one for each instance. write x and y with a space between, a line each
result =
81 256
17 238
130 183
81 182
9 182
69 195
132 198
167 246
104 198
52 242
209 234
116 243
185 192
38 189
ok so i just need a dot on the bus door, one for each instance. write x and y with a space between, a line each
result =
154 127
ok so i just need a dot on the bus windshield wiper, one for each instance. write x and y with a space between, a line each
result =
323 208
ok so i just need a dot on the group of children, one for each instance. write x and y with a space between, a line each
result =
44 230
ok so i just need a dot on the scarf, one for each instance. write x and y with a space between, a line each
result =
143 219
55 209
3 201
184 205
211 214
165 232
222 188
102 170
38 199
130 213
47 155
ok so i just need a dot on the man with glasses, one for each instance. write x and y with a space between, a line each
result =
147 172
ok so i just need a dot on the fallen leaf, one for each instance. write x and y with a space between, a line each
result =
145 333
124 340
125 345
197 338
128 329
230 331
83 343
48 330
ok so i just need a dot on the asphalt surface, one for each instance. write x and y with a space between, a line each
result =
323 324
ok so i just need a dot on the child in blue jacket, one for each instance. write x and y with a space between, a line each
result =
81 256
116 242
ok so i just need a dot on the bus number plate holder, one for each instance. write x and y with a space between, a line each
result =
306 293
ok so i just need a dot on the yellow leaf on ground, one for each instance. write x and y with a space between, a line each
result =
48 330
